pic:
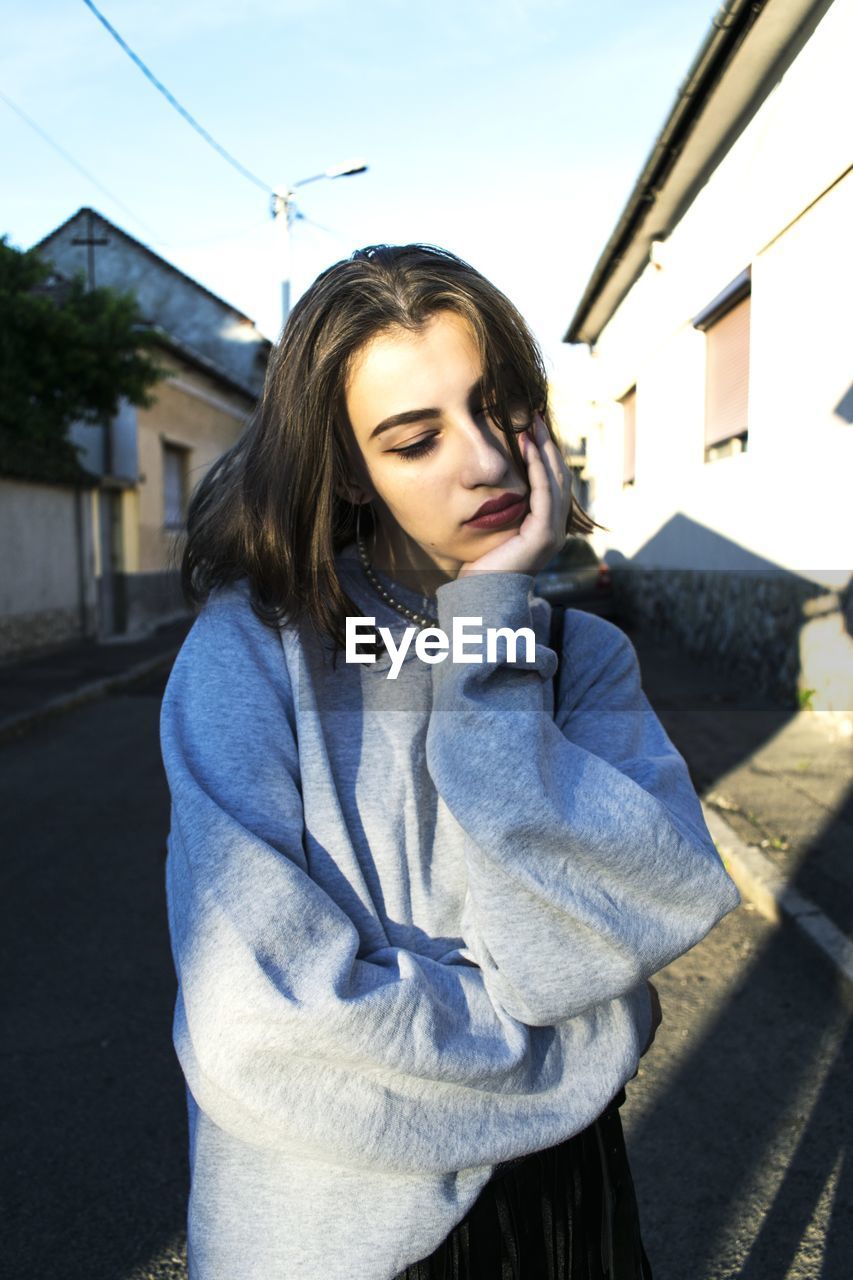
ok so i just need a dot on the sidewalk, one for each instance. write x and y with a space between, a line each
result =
776 785
34 688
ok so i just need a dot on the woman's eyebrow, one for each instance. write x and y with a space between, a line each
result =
415 415
401 420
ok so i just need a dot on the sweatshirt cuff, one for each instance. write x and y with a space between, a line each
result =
501 599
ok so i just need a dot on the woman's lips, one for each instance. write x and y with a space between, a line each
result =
500 519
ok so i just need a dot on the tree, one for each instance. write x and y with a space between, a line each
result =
66 355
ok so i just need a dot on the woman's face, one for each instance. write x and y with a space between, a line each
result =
430 454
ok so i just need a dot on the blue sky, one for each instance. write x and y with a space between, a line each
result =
509 131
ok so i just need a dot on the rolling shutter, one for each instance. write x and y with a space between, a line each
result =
727 374
629 410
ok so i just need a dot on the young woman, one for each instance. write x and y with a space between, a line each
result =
414 901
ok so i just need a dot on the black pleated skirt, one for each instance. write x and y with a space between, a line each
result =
566 1213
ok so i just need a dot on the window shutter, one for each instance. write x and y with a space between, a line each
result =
629 411
727 374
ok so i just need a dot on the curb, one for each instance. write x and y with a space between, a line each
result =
767 889
14 726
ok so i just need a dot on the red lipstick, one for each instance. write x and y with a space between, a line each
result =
498 512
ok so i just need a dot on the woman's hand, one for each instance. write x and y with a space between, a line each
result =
542 533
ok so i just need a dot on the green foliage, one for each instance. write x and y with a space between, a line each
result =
805 699
66 355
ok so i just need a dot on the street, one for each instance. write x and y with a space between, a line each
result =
739 1121
736 1123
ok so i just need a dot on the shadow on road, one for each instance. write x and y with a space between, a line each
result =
751 1132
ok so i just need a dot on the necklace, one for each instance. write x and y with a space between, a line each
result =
420 619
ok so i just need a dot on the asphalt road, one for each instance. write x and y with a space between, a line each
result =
737 1124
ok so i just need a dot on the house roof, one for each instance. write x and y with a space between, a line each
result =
748 47
192 316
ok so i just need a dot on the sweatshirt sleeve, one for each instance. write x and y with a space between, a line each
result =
290 1037
590 866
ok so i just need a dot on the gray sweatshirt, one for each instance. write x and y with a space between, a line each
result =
411 919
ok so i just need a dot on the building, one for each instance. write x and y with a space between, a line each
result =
125 531
719 438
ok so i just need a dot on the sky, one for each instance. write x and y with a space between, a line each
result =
508 131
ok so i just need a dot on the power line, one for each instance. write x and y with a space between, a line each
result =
172 100
330 231
154 236
75 164
226 236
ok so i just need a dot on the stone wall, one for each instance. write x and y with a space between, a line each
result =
779 632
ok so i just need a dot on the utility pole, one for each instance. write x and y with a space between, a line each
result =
90 240
108 511
283 209
284 212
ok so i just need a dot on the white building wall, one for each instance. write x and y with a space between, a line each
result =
46 535
780 203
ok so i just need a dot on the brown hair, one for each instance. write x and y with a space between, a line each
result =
268 509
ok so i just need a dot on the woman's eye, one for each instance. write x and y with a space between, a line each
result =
418 450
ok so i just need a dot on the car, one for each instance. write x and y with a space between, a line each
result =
579 578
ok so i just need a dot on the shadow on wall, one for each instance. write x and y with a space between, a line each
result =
844 408
775 628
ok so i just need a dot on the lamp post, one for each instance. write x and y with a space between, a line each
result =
284 212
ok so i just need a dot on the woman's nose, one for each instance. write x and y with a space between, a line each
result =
486 457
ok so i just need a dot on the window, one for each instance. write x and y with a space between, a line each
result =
174 485
726 327
629 415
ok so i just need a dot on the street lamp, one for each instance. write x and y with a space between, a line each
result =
284 212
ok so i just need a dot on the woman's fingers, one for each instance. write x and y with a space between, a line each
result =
537 475
536 530
550 486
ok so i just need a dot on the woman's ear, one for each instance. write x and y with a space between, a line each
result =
351 482
352 492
